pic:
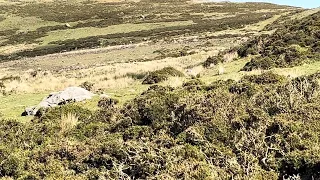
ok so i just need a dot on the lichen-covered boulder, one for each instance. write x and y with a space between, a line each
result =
70 94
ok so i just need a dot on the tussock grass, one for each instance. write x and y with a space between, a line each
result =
68 122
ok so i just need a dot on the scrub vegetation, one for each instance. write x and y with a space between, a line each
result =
264 126
187 90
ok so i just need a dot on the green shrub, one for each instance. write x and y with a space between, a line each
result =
87 85
292 44
249 48
264 78
107 102
137 132
193 82
259 63
243 88
161 75
212 60
266 125
11 165
263 127
194 85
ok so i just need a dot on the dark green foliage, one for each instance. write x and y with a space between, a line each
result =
243 88
161 75
87 85
152 108
259 63
194 85
267 78
10 165
250 48
223 56
262 127
107 102
193 82
294 43
212 60
266 125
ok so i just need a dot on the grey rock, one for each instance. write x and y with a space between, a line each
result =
71 94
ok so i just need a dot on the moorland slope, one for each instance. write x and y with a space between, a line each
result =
250 113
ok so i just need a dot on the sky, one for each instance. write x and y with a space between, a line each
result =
298 3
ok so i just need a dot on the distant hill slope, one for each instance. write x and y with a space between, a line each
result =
36 29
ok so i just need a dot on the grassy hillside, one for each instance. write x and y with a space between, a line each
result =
111 44
197 90
45 28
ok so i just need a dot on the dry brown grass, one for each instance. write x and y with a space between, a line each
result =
68 122
6 50
105 77
174 82
106 68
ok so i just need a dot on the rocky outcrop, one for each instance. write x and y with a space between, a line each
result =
71 94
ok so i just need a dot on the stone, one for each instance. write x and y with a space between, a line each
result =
70 94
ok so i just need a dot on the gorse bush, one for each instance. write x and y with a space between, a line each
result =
87 85
212 60
193 82
161 75
264 126
294 43
107 102
267 78
223 56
